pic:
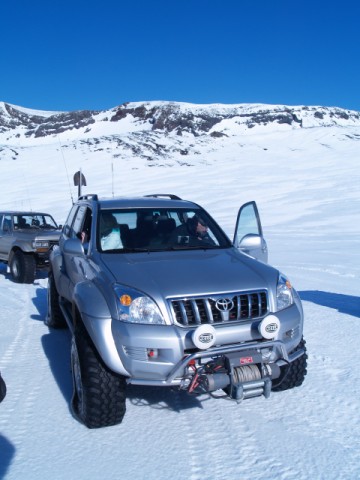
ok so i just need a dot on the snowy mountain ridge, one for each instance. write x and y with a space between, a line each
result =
162 133
168 117
306 184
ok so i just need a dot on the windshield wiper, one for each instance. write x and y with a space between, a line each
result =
192 247
134 249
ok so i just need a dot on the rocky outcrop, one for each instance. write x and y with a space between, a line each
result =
172 117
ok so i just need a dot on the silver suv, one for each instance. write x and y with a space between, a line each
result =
155 293
26 239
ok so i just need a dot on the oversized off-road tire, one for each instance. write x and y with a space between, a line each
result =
54 317
292 375
99 394
2 389
22 267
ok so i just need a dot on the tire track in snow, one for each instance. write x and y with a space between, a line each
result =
334 270
18 303
224 428
16 351
192 447
25 353
241 441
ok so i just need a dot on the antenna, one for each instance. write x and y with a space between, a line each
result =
112 178
67 174
25 179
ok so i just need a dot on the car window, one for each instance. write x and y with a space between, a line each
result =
7 223
78 222
154 230
69 221
248 222
34 221
86 227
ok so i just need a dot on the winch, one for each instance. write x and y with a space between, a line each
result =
240 375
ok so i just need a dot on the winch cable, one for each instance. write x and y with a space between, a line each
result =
247 373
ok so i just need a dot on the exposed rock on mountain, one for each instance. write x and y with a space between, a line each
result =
171 117
157 131
38 125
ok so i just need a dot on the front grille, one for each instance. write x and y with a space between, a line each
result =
219 309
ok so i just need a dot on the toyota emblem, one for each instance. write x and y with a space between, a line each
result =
224 304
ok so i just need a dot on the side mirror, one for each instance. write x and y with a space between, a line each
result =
250 241
255 246
73 246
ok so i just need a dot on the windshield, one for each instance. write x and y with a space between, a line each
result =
35 221
158 230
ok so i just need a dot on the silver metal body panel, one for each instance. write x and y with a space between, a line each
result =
85 279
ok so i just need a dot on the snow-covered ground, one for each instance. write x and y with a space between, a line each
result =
306 184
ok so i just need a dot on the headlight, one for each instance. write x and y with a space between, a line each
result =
284 294
136 307
41 245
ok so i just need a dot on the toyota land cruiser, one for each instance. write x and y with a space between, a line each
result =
155 293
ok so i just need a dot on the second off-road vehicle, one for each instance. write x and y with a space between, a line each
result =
155 293
26 239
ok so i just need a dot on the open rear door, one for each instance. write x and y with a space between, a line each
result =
248 236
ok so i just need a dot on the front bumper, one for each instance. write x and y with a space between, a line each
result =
159 354
268 351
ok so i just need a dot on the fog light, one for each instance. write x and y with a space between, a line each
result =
269 327
204 337
152 353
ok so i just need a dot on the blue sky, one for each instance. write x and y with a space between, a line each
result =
77 54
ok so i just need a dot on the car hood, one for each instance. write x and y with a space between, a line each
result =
38 234
185 273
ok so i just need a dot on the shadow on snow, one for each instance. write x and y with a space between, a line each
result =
160 398
40 302
348 304
7 451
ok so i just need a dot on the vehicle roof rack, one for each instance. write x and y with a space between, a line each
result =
167 195
89 196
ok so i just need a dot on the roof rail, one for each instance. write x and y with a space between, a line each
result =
89 196
168 195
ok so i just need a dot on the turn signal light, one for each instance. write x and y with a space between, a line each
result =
125 300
